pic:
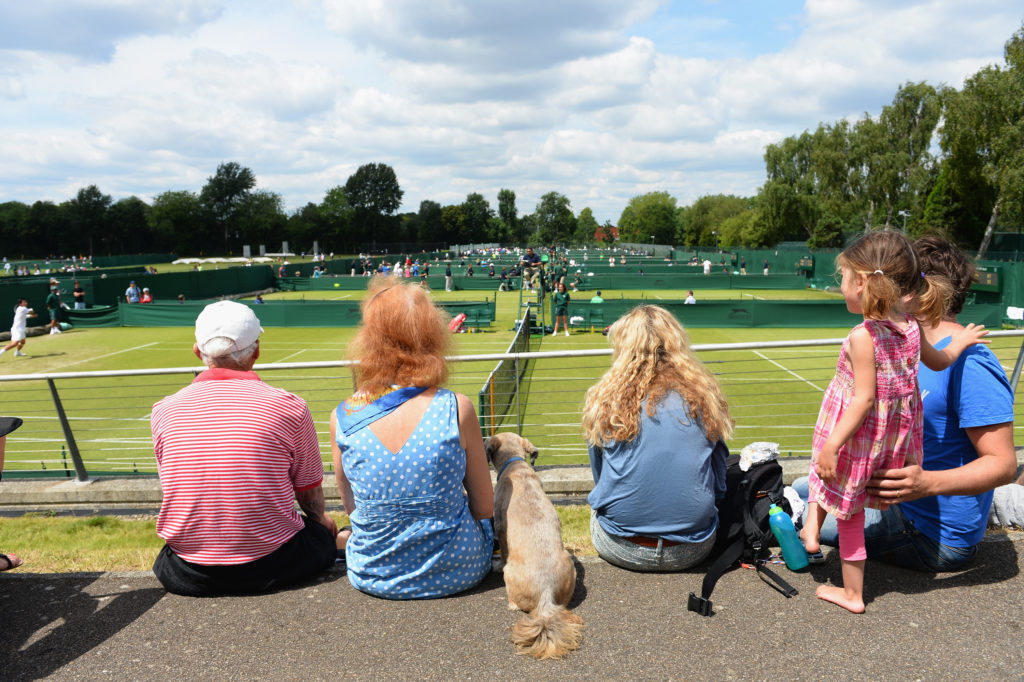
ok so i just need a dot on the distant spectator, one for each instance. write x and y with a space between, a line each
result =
146 296
690 300
132 293
766 266
597 298
259 299
707 267
79 293
181 298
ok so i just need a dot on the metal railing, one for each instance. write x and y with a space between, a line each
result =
100 420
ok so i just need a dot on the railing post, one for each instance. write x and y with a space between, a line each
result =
519 414
76 457
1015 377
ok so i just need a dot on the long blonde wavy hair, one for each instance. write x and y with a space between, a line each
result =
651 356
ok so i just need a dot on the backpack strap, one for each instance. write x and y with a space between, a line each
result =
729 556
781 585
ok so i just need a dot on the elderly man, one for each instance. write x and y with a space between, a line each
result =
233 455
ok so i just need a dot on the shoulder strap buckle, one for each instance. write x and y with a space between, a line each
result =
699 605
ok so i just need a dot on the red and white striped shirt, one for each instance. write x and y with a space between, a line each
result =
231 452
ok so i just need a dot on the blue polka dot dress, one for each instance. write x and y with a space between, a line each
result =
413 536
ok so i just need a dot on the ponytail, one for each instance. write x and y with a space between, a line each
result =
932 297
880 295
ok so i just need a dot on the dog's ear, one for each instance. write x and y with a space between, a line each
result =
490 445
530 449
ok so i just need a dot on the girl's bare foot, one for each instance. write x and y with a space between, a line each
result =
811 540
840 597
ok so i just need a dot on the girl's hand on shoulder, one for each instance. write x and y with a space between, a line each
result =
970 335
825 465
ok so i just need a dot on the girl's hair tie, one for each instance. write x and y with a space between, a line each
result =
877 272
923 275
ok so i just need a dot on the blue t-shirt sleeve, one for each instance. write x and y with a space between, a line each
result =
718 456
595 461
974 407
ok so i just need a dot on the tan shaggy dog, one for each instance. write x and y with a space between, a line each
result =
539 574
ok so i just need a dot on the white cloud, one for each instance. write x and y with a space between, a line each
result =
458 96
91 29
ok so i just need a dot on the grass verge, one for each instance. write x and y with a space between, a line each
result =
62 544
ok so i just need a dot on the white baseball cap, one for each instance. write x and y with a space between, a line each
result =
228 319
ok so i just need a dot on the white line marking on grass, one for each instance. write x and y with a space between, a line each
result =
788 371
288 357
116 352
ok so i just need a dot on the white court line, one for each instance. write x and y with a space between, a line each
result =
116 352
763 357
288 357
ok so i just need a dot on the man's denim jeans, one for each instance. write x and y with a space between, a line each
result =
891 537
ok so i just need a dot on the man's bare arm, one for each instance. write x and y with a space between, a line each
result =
312 503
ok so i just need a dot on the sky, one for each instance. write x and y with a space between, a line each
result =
600 100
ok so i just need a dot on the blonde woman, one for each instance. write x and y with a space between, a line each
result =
655 424
409 457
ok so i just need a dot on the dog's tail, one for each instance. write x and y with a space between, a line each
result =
549 631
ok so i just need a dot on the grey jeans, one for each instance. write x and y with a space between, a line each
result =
625 554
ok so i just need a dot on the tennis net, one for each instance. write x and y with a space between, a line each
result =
501 396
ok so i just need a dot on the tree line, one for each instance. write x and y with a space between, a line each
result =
934 158
230 211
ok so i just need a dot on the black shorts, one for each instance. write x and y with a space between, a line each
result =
307 553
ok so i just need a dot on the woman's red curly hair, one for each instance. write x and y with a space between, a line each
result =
403 338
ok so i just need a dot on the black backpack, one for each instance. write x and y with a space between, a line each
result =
744 534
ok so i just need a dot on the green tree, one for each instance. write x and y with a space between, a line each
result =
428 222
649 215
477 214
983 135
586 227
177 219
306 225
261 217
221 196
453 223
87 214
338 221
14 228
509 215
48 228
702 223
129 230
555 221
374 193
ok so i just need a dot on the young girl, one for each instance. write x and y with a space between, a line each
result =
560 304
871 415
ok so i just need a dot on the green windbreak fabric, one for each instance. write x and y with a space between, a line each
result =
272 314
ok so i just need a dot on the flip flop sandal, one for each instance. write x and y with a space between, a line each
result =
9 424
339 558
10 564
816 558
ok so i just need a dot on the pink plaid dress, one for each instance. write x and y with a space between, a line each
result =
891 435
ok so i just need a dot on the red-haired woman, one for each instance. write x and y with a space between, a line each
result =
409 457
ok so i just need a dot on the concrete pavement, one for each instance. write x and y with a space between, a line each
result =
964 625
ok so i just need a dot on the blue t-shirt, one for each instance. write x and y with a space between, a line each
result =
664 482
971 392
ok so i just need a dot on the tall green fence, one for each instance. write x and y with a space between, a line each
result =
272 314
753 313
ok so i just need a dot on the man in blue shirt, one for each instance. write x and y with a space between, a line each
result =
530 263
939 510
132 293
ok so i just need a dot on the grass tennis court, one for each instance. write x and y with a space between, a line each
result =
774 394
